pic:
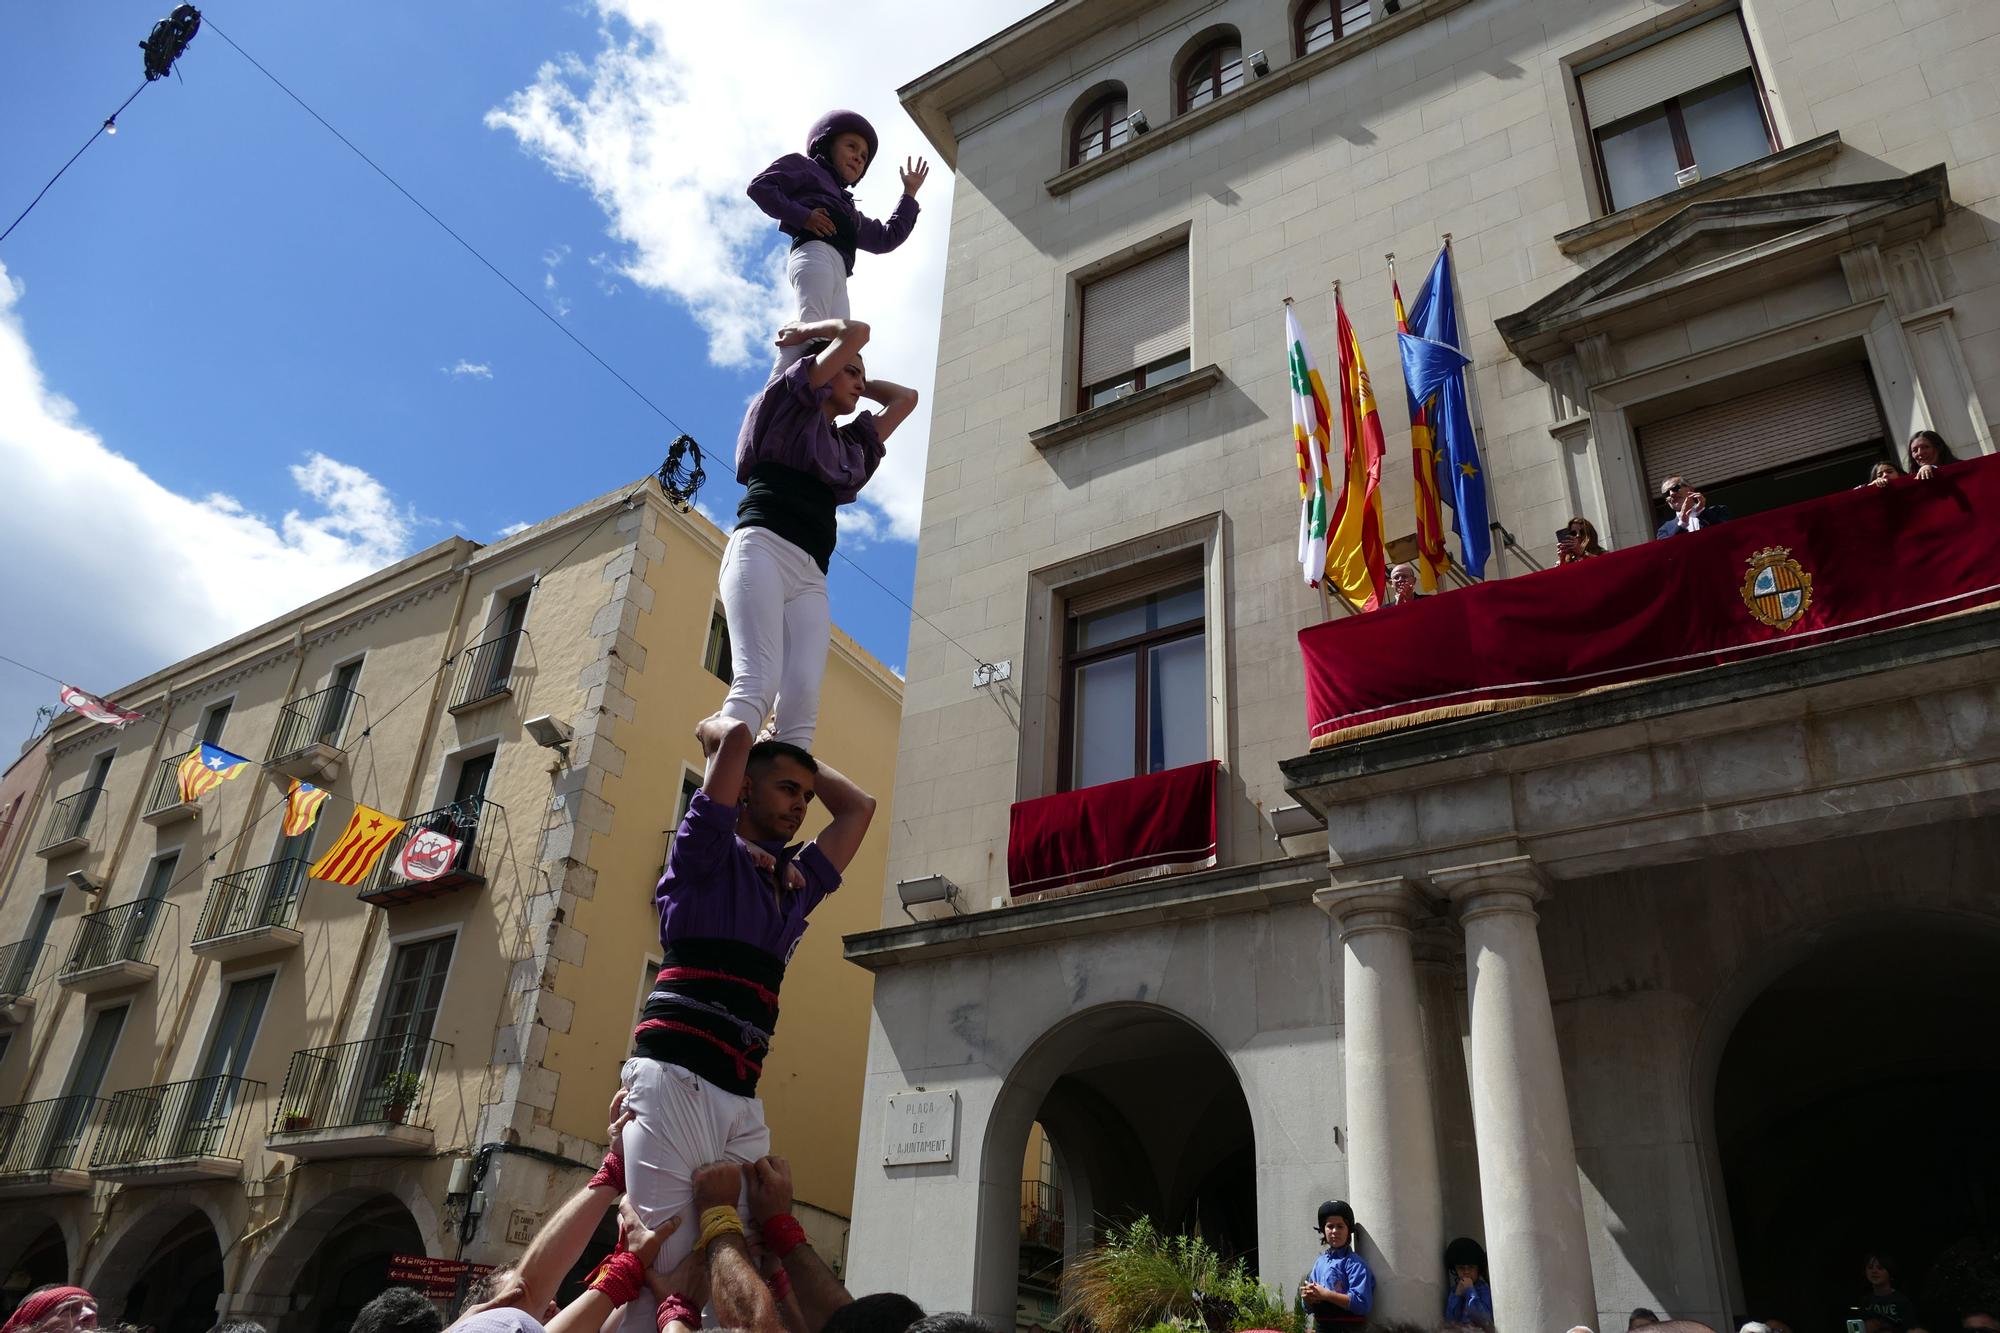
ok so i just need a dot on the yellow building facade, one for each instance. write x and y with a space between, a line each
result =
229 1089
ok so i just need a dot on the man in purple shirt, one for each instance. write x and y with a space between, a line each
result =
733 903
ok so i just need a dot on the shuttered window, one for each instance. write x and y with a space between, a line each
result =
1134 319
1823 413
1638 80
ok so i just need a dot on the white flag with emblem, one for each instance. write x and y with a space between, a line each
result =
427 855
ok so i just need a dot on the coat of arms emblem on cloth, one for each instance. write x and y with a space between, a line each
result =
1777 589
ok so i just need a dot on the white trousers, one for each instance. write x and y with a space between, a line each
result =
819 290
774 597
682 1122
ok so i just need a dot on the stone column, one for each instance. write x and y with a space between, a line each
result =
1535 1240
1392 1167
1441 996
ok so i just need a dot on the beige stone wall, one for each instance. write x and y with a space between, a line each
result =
1464 124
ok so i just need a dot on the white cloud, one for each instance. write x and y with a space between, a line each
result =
513 528
112 576
667 122
476 369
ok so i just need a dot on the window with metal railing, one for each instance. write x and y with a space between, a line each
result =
464 822
202 1117
1041 1215
70 818
261 896
38 1137
17 967
122 934
486 670
381 1081
166 792
319 718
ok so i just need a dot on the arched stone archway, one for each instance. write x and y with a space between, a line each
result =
1147 1115
120 1271
41 1257
178 1285
1848 1109
333 1258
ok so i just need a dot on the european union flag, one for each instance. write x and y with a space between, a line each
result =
1434 367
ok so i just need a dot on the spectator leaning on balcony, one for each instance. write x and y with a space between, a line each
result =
1688 509
1881 475
1577 540
1402 585
1928 453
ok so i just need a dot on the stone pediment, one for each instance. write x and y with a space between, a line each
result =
1718 251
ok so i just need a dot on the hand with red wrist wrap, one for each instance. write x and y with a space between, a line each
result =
620 1277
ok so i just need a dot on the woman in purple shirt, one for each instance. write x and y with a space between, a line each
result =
811 196
797 467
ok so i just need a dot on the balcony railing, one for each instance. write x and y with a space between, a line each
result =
466 822
201 1118
316 720
165 797
17 968
1041 1215
486 670
381 1081
69 821
250 899
122 934
38 1137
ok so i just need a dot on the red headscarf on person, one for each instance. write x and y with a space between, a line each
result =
42 1303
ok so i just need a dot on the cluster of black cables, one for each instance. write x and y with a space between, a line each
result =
170 37
681 475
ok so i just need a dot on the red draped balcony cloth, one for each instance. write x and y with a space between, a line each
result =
1115 833
1788 579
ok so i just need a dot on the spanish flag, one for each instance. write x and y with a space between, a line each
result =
1356 562
1432 557
205 768
361 845
302 803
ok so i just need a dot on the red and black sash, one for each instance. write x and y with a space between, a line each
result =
713 1010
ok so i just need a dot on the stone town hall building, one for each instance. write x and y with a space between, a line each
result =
1677 995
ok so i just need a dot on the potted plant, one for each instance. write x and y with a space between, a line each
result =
399 1093
297 1118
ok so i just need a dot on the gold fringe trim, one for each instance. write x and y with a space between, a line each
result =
1113 881
1363 729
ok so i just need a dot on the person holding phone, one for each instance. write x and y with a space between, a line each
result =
1577 540
1688 510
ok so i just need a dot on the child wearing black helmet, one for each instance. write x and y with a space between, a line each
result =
1468 1299
1340 1290
811 196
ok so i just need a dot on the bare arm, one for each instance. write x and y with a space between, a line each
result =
726 744
851 808
742 1300
897 404
560 1243
590 1310
818 1292
848 337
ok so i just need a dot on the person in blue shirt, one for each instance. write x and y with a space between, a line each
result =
1340 1291
1468 1299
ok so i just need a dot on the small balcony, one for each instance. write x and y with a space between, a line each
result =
310 730
486 672
69 826
176 1132
466 823
17 976
113 948
1041 1216
359 1099
164 805
252 911
42 1146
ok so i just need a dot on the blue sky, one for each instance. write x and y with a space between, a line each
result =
237 370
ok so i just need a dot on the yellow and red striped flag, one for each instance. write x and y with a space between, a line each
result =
350 859
1432 557
1356 561
302 803
205 768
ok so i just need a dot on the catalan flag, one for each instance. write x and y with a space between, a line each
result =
1356 560
1311 418
1432 557
302 803
350 859
205 768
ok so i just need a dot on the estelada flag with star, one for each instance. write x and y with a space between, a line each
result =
360 846
205 768
302 803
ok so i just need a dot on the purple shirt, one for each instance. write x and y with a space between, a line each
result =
793 186
713 891
786 425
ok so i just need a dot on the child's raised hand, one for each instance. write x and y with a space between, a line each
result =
915 172
791 335
819 223
766 863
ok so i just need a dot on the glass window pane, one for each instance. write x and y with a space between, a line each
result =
1172 368
1178 607
1639 158
1725 124
1102 627
1101 727
1177 705
1232 70
1355 15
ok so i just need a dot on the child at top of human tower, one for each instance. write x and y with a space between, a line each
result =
811 196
